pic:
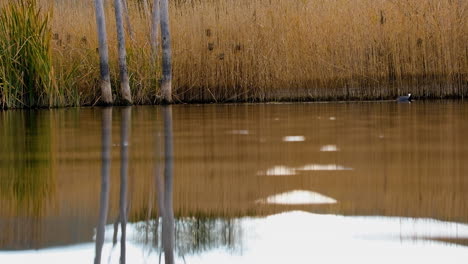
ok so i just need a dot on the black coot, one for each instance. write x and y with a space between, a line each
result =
405 98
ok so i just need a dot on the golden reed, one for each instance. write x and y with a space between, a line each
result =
261 50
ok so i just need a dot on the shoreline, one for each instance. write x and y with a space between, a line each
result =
283 101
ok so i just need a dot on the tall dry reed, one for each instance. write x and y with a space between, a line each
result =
256 50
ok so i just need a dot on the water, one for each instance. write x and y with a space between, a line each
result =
266 183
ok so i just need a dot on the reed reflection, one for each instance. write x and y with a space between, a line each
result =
106 139
196 235
27 176
186 235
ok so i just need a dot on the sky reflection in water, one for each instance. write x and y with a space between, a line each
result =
296 235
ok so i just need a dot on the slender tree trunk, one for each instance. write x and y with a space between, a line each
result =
168 216
124 138
105 181
124 83
166 84
155 18
127 18
106 91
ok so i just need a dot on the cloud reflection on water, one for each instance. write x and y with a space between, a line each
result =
300 235
328 148
298 197
281 170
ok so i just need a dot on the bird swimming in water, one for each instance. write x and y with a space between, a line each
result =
404 98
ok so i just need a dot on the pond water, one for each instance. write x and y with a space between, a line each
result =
254 183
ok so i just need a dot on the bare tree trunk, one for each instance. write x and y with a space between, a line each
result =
106 91
168 216
166 84
105 184
155 18
124 83
124 138
127 19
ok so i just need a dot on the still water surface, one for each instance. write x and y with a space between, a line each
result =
264 183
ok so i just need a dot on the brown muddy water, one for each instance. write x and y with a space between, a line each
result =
265 183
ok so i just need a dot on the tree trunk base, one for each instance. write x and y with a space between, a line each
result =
166 91
106 93
126 96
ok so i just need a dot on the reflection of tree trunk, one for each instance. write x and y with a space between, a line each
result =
116 230
124 138
158 176
168 215
105 174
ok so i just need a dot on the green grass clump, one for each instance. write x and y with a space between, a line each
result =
26 72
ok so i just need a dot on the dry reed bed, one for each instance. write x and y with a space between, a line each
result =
278 50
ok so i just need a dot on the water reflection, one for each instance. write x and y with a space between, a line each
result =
281 170
329 148
123 207
323 238
168 210
105 181
198 235
164 185
293 138
298 197
106 141
27 174
193 235
376 177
